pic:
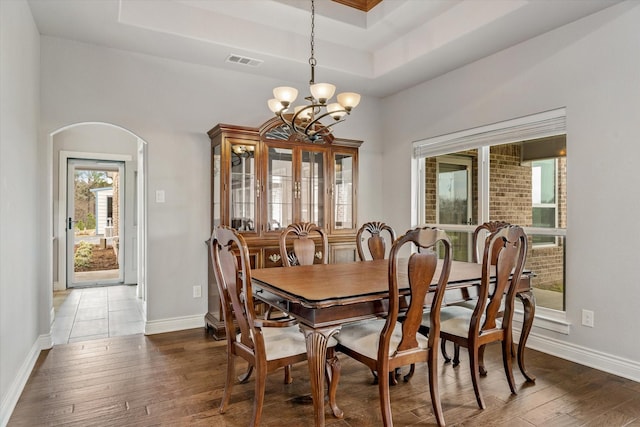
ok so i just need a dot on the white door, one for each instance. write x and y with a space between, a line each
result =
454 201
95 222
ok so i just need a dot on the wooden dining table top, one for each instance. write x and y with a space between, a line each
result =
321 285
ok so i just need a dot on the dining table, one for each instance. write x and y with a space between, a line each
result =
323 297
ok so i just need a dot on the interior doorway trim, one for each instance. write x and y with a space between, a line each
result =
62 204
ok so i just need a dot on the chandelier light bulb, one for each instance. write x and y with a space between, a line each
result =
303 112
336 111
275 106
286 95
349 100
322 91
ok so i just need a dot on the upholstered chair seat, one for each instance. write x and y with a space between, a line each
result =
280 343
364 338
454 319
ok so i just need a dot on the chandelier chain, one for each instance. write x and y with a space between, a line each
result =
312 59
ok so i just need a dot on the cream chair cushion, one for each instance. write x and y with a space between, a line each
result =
285 342
364 337
454 320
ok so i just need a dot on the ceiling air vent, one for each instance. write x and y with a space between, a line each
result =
244 60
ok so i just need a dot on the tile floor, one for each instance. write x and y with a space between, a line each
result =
83 314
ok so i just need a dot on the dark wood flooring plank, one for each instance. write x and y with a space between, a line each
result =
177 379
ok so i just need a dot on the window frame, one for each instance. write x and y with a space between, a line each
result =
540 125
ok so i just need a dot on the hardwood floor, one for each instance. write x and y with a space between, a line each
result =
177 379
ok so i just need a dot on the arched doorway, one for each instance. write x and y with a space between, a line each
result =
99 147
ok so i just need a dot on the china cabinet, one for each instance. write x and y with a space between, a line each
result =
263 179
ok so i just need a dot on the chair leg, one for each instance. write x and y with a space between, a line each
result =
375 377
456 355
482 370
333 377
258 398
412 370
244 378
508 366
475 377
385 400
288 379
228 385
393 376
443 348
432 363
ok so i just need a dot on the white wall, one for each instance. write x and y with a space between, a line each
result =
24 311
171 105
591 67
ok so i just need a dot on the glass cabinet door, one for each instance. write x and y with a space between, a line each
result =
343 191
242 187
280 191
216 209
311 188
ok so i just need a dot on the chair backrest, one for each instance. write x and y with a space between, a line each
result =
227 247
420 270
372 232
490 227
304 247
507 246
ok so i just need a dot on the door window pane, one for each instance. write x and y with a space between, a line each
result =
453 193
454 200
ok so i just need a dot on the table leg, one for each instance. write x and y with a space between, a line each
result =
529 304
317 340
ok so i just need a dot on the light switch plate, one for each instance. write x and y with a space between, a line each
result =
159 196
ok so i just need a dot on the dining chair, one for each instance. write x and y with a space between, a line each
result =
468 300
303 252
474 328
303 246
265 344
385 344
373 233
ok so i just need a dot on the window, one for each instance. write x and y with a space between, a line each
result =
513 171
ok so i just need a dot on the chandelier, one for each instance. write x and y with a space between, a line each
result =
305 119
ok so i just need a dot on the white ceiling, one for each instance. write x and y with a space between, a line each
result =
396 45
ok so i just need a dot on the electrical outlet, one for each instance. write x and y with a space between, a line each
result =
587 318
197 291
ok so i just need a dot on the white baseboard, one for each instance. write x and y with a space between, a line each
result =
605 362
20 380
174 324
